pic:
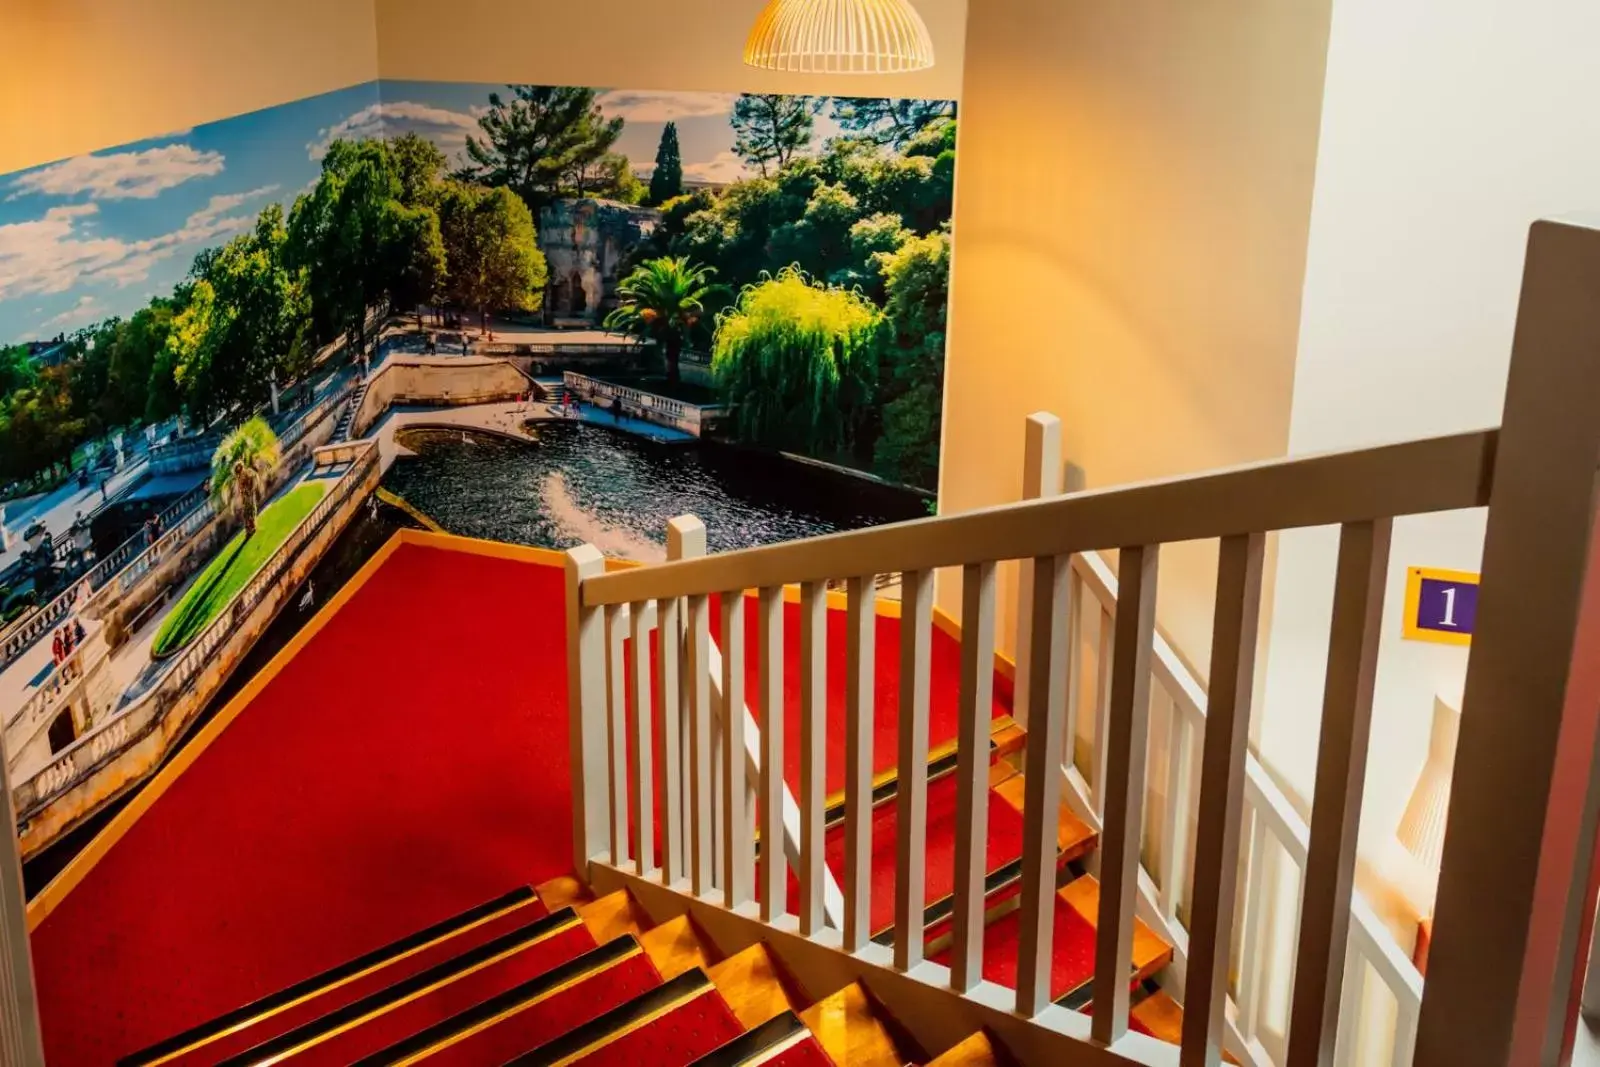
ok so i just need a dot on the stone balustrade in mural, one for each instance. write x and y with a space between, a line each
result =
438 380
651 407
121 751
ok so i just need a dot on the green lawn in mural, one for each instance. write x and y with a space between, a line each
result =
232 568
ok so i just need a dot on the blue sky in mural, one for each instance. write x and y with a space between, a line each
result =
99 235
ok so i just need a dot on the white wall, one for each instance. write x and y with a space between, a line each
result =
81 75
1447 129
629 44
1132 200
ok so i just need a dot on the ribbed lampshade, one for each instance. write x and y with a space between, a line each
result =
840 37
1421 829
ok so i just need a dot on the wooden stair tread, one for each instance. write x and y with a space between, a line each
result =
559 892
677 945
613 916
1073 836
975 1051
847 1026
1150 953
1162 1018
755 986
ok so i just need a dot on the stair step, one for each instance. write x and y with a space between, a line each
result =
676 946
1072 958
782 1041
615 915
756 986
670 1026
1005 738
977 1050
429 997
531 1014
1161 1017
560 892
851 1031
305 1001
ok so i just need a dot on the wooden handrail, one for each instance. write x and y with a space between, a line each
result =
1411 478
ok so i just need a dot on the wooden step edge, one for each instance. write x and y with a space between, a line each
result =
1150 952
560 892
349 1016
852 1030
1004 739
259 1011
1074 838
756 985
759 1044
1163 1018
615 915
460 1027
678 945
620 1021
975 1050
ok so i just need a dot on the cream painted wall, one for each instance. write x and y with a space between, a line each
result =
82 75
1446 132
1133 190
628 44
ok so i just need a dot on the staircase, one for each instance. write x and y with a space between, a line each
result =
551 390
551 975
341 432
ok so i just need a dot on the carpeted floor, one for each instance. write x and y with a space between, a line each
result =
410 763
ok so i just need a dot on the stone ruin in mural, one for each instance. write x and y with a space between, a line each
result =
586 244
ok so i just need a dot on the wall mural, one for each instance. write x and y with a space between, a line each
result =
233 359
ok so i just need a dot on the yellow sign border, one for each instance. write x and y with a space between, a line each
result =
1414 577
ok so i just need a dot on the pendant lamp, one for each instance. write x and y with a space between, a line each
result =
840 37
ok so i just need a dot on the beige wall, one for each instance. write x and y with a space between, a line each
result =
627 44
80 75
1132 204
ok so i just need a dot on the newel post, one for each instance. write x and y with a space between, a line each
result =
586 710
1041 477
1504 965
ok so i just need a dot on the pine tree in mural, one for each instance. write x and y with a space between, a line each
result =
667 181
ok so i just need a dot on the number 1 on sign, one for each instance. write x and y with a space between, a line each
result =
1449 608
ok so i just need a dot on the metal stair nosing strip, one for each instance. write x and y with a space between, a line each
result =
329 981
619 1022
759 1045
504 1006
349 1016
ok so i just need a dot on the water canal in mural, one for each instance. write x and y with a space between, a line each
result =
583 482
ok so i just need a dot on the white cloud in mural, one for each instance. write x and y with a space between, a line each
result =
666 107
725 166
121 175
86 310
445 128
53 254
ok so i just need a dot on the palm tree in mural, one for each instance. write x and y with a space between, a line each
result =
240 469
662 301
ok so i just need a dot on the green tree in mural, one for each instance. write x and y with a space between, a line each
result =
241 469
492 249
247 324
662 301
911 359
796 361
544 141
420 168
889 122
772 128
666 181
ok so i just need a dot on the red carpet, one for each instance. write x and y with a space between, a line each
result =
1071 964
409 764
1004 845
554 1016
448 1000
675 1039
318 1006
943 704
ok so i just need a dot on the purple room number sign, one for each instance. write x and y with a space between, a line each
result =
1441 605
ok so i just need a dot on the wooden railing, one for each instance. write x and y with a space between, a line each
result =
1514 894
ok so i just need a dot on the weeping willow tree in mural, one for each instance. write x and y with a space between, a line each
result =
796 361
